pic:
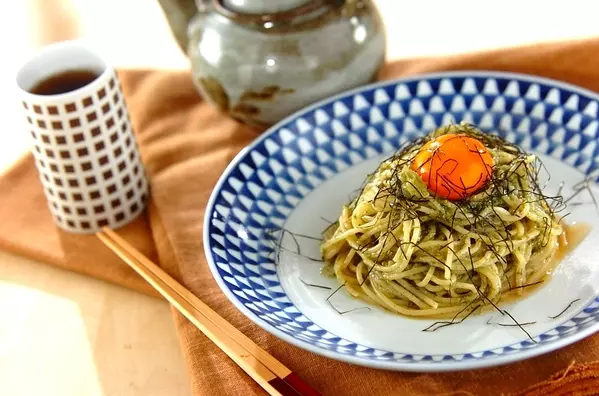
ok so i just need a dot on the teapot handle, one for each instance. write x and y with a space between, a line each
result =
179 14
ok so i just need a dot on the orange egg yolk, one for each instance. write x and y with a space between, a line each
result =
454 166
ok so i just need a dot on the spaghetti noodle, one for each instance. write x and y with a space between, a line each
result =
453 222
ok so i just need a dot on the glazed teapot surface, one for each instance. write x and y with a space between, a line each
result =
261 60
263 6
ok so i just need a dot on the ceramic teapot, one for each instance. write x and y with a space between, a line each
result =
261 60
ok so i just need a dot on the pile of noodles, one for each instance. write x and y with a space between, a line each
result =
398 246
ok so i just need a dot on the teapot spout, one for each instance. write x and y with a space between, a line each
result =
179 14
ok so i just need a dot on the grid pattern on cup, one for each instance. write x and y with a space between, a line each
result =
88 159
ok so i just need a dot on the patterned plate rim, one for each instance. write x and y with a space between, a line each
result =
409 366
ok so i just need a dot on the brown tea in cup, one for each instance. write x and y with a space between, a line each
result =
64 82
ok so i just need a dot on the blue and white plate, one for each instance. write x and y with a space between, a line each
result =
294 179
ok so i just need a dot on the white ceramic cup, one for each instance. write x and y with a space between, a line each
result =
84 147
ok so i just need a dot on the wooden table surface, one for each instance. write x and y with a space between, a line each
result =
66 334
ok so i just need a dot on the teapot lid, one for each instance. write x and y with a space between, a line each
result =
263 6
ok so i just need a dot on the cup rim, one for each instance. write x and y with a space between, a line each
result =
49 48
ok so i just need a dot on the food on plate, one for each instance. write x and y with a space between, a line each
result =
453 222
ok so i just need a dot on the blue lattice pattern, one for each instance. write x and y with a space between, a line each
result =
264 184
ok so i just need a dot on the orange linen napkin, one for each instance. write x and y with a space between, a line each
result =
186 144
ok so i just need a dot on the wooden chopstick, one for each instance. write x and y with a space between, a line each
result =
267 371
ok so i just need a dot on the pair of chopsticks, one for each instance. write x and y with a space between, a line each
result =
267 371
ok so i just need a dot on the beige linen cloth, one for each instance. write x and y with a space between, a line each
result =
186 145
